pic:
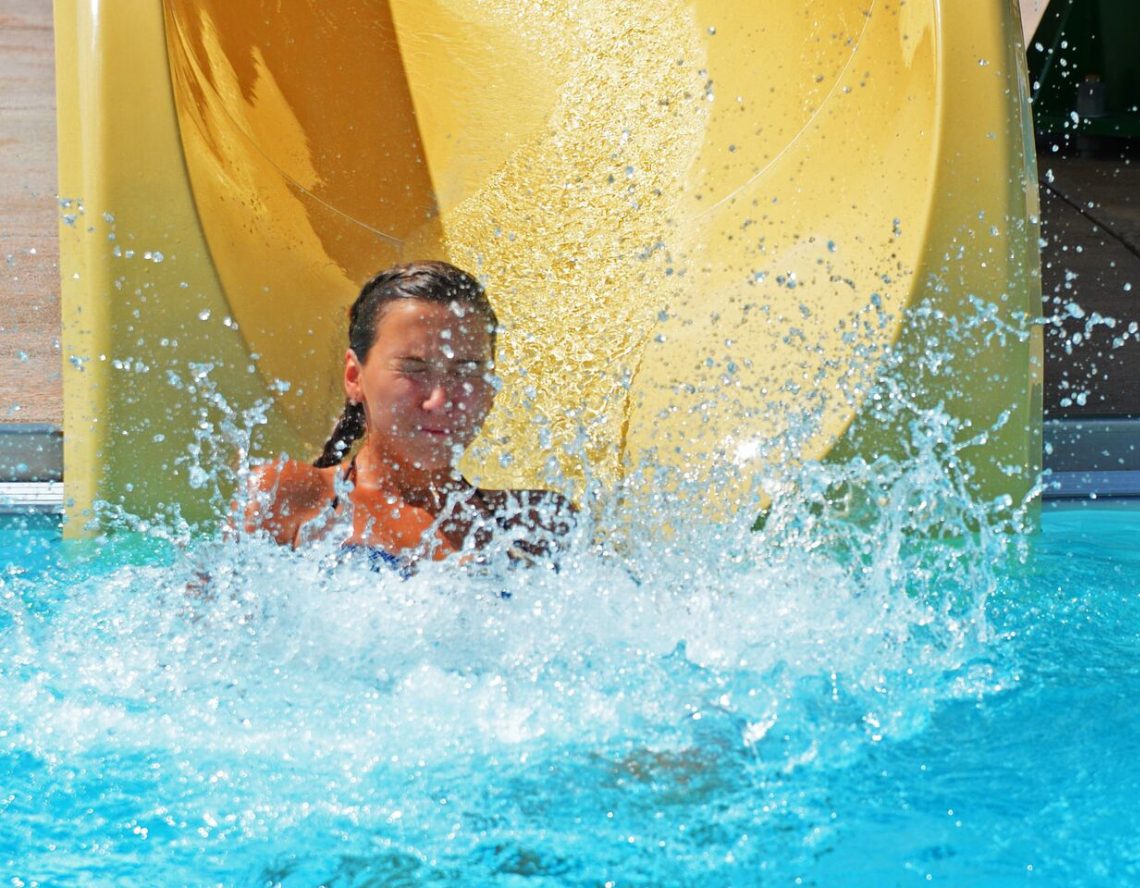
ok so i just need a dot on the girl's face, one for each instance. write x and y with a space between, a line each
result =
425 383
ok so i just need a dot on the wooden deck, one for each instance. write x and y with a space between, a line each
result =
30 390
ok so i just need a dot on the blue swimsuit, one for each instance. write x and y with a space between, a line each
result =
379 558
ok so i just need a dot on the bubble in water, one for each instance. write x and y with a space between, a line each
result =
198 477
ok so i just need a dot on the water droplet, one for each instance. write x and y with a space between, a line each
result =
204 314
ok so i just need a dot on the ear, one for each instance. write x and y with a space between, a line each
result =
353 370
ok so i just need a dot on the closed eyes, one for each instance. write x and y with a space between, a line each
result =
416 367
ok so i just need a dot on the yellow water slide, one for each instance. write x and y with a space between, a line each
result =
704 225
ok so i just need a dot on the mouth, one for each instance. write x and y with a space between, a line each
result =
436 433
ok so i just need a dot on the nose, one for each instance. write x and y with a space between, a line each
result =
437 398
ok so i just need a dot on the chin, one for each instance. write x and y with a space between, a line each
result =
439 461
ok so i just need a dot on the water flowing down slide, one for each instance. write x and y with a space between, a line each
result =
722 240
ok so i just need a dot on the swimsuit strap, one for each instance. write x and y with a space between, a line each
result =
334 503
349 475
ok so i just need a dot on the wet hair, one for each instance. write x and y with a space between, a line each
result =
438 282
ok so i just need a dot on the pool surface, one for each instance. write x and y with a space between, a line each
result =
798 706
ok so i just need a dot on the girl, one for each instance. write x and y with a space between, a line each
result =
417 385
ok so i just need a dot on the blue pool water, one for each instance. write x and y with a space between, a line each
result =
819 703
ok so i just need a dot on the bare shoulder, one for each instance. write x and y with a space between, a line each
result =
292 479
285 493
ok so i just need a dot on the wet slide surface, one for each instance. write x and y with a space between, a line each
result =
702 232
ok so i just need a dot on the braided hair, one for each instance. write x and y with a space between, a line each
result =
429 281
